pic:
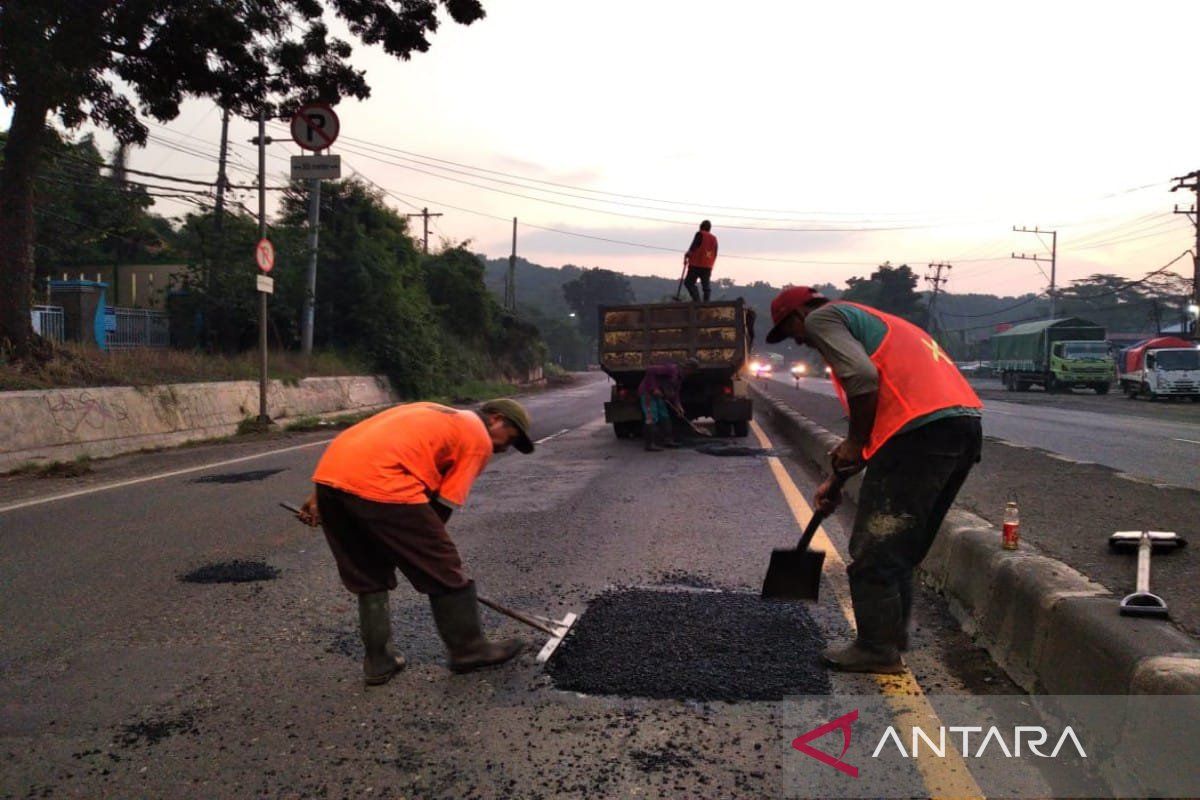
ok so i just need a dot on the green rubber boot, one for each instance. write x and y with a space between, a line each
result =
878 611
457 617
381 660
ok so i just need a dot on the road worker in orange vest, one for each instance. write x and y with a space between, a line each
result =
915 426
699 260
385 489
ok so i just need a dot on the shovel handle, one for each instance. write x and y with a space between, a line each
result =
517 615
810 530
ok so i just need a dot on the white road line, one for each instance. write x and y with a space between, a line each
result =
552 436
37 501
1189 441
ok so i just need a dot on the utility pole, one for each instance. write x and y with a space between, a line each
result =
222 179
510 285
262 140
425 215
310 292
1053 259
936 280
1191 182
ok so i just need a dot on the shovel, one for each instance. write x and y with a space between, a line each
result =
796 574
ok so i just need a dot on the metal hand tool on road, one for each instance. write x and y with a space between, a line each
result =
556 629
688 422
1144 603
796 574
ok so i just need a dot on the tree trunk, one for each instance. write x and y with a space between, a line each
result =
21 156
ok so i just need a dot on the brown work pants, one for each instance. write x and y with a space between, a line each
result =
370 541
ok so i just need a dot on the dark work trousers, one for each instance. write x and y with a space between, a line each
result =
910 484
704 274
370 541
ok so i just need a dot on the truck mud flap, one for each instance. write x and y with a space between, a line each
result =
622 411
732 409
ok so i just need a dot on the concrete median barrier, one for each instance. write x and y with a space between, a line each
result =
1052 629
64 424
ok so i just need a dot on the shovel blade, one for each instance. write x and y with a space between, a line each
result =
793 575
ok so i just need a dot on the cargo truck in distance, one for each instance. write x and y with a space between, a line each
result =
1057 354
1164 367
717 334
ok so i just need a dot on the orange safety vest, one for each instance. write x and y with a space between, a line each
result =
705 254
916 378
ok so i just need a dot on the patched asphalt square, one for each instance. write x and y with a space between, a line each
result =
691 645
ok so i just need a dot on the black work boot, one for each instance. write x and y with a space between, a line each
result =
457 618
906 601
650 433
381 660
668 435
877 613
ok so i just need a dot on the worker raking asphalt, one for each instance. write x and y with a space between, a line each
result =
662 644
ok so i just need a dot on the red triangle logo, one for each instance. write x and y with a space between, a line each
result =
843 723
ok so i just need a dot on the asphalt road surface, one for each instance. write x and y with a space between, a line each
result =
1159 442
123 680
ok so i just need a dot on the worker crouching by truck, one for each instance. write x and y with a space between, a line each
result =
915 428
385 489
659 395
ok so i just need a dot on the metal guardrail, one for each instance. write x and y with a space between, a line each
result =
127 328
49 322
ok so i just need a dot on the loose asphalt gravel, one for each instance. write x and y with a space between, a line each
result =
691 645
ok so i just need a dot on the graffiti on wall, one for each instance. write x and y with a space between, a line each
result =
71 412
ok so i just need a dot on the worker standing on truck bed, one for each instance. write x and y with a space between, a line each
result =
699 260
659 395
915 427
384 491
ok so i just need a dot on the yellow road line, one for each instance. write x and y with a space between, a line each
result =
947 777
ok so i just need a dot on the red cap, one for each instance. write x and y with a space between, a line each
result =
785 304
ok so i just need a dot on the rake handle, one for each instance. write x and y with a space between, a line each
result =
517 615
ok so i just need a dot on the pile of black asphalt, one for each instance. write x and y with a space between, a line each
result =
691 645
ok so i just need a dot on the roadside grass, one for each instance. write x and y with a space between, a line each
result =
475 391
75 468
74 365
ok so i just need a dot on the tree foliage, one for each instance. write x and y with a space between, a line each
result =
594 288
67 58
889 289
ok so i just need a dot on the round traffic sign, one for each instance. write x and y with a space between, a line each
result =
264 254
315 126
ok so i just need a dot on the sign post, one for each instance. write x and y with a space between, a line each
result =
315 127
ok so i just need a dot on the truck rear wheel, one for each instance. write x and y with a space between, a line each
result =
741 428
627 430
722 428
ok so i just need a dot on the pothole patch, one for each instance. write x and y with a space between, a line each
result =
235 571
721 449
153 730
239 477
691 645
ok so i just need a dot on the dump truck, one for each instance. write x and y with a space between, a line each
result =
1166 366
1057 354
717 334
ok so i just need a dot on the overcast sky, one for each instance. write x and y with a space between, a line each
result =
911 132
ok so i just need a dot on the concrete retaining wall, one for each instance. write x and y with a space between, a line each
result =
63 424
1052 629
